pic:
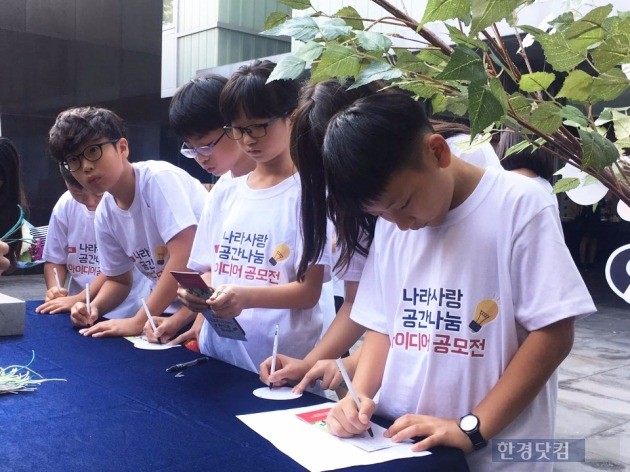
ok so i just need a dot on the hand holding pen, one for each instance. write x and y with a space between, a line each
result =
351 391
148 313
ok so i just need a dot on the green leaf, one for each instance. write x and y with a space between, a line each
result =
409 62
587 30
337 61
558 51
499 93
562 21
564 185
438 103
297 4
419 88
377 70
457 105
520 105
332 28
289 67
598 152
621 125
464 64
519 147
486 12
622 26
609 85
348 12
439 10
310 51
460 38
432 56
275 19
483 108
371 41
546 117
302 28
577 86
615 50
571 113
536 81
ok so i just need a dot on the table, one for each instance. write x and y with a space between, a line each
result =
120 410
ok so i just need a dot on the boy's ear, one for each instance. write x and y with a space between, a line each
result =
440 149
123 147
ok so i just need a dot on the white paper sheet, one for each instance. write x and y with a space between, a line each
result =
314 449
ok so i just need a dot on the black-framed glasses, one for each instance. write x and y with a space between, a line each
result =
254 131
206 150
91 153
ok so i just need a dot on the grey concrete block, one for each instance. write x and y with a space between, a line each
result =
12 313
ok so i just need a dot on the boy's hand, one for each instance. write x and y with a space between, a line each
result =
345 421
436 432
118 327
58 305
288 370
4 262
55 292
192 301
80 316
167 327
325 369
192 333
228 301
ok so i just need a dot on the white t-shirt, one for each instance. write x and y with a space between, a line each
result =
167 201
499 252
483 156
239 233
71 241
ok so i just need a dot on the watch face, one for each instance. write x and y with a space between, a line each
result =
469 422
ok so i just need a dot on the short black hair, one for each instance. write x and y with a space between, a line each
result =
248 92
76 126
194 110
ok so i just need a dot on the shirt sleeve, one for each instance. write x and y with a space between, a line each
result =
546 284
201 253
112 257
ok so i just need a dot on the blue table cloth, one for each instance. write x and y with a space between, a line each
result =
120 410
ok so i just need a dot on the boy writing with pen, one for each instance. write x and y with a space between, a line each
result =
146 219
465 325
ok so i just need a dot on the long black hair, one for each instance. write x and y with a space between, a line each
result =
317 104
11 195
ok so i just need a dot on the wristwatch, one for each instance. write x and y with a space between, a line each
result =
469 424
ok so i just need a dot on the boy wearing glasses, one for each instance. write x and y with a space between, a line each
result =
71 250
195 117
147 217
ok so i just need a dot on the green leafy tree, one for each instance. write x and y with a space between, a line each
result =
477 77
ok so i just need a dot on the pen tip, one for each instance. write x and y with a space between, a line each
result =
370 432
271 386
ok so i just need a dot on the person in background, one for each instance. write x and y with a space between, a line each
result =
71 250
11 195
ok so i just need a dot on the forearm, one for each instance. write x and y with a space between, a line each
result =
49 274
339 338
371 364
112 293
538 357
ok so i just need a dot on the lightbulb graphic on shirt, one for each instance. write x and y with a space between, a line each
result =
280 253
486 312
160 253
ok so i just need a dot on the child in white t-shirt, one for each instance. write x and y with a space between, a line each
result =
71 249
195 117
248 244
146 219
468 294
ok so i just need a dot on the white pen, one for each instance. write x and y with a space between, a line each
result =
274 354
346 379
148 313
56 274
87 299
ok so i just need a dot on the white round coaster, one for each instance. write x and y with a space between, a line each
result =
277 393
